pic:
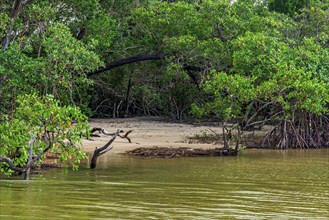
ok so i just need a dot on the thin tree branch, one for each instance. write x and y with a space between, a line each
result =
102 130
43 152
126 135
109 142
100 151
26 2
106 150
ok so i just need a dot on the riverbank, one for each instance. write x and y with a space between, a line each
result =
152 132
149 132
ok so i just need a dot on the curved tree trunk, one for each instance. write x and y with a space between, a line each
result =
100 151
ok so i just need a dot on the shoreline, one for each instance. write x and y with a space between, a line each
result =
151 132
148 132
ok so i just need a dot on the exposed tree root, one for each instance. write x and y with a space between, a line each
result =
304 131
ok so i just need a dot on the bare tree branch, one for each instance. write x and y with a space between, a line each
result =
100 151
106 150
11 164
42 152
126 135
27 2
103 131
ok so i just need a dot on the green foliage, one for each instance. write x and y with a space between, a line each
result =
313 22
76 12
274 69
265 68
40 12
101 29
59 69
4 24
19 74
51 125
229 93
179 91
67 59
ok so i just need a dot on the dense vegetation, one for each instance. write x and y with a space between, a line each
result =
249 62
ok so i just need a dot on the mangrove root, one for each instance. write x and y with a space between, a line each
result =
304 131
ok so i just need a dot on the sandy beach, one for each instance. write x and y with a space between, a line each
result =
149 132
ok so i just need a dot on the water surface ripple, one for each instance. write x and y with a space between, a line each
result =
257 185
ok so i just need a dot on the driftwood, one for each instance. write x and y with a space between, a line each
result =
102 150
103 131
164 152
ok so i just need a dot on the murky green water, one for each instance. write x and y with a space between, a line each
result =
258 185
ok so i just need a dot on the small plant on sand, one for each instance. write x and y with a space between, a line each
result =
242 149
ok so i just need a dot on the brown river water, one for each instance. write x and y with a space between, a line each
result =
260 184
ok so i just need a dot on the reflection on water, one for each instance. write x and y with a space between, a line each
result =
258 185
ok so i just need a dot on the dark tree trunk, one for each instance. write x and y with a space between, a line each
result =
100 151
237 144
81 33
17 8
128 60
93 162
127 96
29 161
